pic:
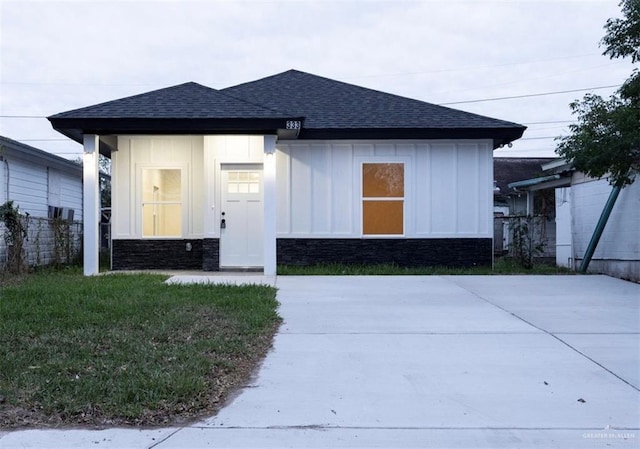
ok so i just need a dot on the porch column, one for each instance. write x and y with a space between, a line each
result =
91 205
530 194
269 180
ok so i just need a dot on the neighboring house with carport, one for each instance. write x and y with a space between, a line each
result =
510 202
44 187
506 170
579 202
289 169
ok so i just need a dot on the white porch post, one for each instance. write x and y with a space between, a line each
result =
269 180
530 194
91 205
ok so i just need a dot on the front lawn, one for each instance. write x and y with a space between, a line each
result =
126 349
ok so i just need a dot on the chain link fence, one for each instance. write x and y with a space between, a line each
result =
45 241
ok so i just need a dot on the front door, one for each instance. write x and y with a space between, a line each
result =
241 233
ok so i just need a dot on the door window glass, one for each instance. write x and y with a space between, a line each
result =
243 182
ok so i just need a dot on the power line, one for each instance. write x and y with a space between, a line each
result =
549 122
465 69
537 138
22 116
446 70
441 104
530 95
42 140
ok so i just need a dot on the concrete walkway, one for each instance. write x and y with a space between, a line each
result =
415 362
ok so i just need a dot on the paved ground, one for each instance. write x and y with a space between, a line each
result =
414 362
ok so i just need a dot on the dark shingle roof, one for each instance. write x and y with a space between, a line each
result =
188 108
330 104
184 101
327 109
511 169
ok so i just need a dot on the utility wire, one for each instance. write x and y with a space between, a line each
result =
445 70
440 104
537 138
530 95
548 123
42 140
22 116
465 69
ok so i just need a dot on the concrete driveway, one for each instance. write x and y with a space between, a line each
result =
433 361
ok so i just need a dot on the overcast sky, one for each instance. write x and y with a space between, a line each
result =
57 56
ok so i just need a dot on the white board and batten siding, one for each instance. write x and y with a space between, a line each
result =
448 187
448 184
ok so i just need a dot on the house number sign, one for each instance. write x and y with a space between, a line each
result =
293 124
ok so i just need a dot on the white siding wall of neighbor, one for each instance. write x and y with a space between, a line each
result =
70 188
448 187
3 181
618 252
564 249
28 187
33 183
34 186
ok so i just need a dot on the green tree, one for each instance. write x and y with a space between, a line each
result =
606 138
104 167
105 181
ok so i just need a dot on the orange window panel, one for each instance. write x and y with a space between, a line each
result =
382 217
383 180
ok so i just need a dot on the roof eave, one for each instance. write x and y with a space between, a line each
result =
544 182
499 136
75 128
28 151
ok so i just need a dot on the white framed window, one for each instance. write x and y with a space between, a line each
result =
383 198
162 202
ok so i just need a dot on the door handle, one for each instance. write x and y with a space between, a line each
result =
223 222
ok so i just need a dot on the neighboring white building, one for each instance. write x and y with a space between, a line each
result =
579 208
289 169
41 185
579 202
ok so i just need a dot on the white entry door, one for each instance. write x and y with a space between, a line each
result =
241 233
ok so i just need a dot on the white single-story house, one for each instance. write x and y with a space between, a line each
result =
289 169
43 186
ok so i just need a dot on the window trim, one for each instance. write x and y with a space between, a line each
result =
406 162
184 186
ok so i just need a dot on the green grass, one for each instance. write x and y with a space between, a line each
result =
125 349
502 266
